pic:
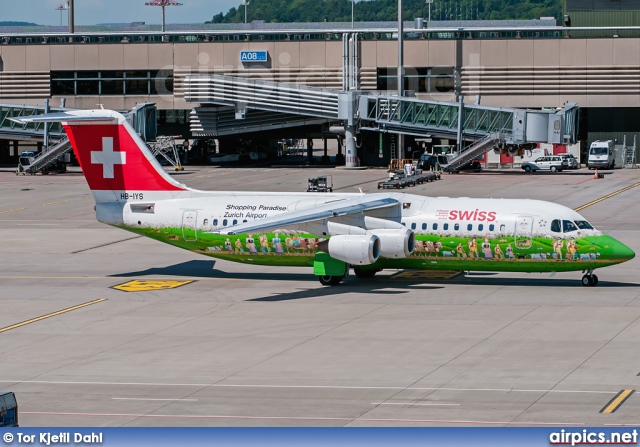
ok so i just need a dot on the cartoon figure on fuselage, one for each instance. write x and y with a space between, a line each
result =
264 243
571 249
370 232
460 253
473 248
498 252
486 249
251 245
510 252
227 244
277 244
557 248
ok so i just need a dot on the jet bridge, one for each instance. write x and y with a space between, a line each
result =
488 127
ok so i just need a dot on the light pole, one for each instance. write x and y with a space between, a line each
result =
163 3
352 9
400 75
429 3
245 3
62 8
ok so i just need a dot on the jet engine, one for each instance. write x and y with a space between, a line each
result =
353 249
395 243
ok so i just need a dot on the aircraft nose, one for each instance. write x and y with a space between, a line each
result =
622 252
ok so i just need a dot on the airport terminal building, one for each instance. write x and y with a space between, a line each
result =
532 65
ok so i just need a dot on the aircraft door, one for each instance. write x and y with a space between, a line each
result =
524 230
189 224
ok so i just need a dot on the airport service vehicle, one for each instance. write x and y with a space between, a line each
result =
601 155
572 161
329 232
551 163
8 410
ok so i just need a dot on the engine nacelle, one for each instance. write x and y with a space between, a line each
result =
395 243
353 249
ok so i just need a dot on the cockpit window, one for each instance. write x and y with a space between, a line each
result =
555 226
568 226
583 225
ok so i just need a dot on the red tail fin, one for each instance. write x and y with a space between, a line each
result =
114 158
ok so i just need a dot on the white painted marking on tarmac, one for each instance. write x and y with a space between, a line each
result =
415 404
301 418
332 387
148 398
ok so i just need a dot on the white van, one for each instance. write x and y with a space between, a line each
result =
601 155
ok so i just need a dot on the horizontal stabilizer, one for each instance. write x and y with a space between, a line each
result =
70 116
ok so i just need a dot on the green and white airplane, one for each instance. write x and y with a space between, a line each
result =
328 232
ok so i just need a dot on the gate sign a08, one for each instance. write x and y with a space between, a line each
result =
254 56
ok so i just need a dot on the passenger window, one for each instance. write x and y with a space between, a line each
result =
224 223
568 226
435 226
480 227
445 227
244 221
235 221
492 227
456 227
555 226
413 226
215 222
583 225
424 226
469 227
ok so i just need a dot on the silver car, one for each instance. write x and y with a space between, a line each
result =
552 163
572 161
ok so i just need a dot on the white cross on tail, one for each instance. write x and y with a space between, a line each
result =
108 158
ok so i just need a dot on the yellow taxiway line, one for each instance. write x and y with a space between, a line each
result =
69 309
12 211
608 196
617 401
55 203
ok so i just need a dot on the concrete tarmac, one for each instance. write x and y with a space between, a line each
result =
262 346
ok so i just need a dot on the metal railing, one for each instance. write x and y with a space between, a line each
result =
385 31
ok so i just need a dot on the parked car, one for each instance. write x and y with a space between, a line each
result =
552 163
572 161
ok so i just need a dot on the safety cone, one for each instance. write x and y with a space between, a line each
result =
596 176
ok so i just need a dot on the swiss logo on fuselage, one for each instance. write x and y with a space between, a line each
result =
488 216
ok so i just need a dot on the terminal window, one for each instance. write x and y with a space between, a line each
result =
112 82
417 79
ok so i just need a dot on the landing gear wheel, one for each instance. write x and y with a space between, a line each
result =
587 281
594 280
330 280
364 274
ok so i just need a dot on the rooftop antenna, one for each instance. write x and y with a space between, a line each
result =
61 8
163 3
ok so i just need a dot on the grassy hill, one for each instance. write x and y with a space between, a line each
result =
386 10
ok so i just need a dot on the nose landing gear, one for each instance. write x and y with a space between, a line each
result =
589 279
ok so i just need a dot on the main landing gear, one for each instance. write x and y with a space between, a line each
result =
589 279
335 280
330 280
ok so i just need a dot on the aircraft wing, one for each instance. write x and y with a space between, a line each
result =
351 205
